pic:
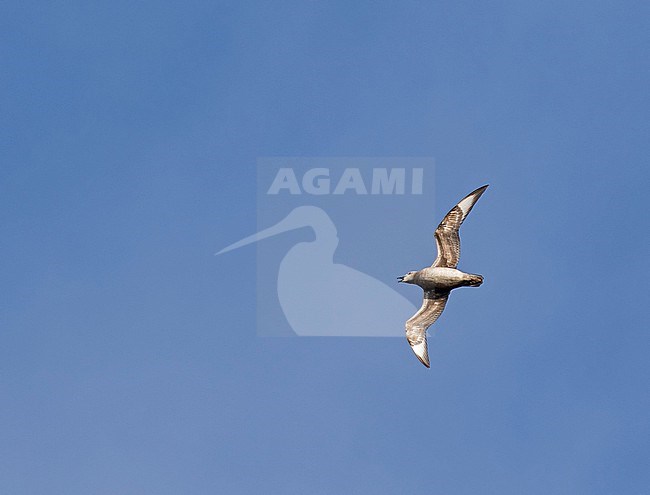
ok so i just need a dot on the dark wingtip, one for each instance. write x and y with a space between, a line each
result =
479 190
426 363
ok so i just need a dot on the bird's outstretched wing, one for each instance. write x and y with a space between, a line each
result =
416 327
447 238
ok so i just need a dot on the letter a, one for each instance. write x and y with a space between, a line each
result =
285 179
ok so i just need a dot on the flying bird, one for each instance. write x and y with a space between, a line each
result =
439 279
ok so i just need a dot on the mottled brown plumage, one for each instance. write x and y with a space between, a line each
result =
441 277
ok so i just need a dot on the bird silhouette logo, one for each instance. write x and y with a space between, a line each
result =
322 298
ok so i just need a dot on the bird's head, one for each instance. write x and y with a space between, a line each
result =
409 278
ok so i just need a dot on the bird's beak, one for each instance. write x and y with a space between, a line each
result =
400 279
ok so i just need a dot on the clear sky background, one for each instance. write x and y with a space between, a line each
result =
129 361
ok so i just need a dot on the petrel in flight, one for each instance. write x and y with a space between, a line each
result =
442 277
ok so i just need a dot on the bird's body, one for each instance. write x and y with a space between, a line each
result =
443 279
438 280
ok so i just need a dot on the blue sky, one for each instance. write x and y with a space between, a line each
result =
129 361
